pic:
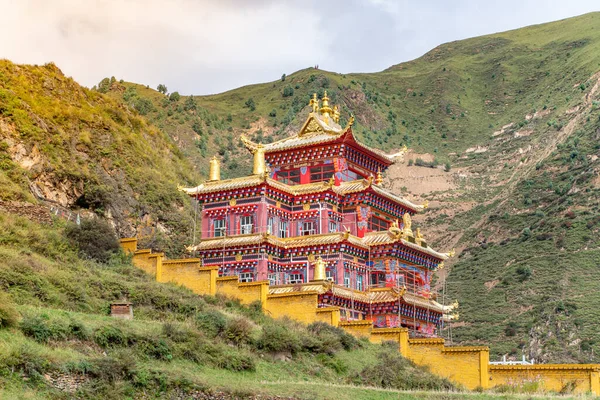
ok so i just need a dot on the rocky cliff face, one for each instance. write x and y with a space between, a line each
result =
71 147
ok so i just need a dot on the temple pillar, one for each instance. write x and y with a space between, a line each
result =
262 269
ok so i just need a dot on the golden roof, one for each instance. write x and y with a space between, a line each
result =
318 128
227 184
379 295
370 239
344 188
286 243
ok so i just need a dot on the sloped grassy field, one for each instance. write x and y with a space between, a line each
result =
55 333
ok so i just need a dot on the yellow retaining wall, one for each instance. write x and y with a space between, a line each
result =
147 261
207 282
183 272
358 328
300 306
129 245
468 366
567 378
246 292
464 365
330 315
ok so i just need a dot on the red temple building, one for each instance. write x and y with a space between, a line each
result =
314 216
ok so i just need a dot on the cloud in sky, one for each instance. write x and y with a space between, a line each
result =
202 47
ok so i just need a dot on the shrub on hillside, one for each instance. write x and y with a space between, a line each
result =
238 331
9 316
277 337
337 337
109 336
211 322
94 238
41 329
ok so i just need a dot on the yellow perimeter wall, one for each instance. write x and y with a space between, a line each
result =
465 365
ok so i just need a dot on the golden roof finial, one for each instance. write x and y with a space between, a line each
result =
418 236
319 274
379 179
214 173
406 219
350 122
402 291
336 114
331 182
260 165
394 229
314 103
325 109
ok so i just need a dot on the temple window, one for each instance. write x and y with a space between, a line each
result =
333 227
270 222
283 229
308 228
377 279
330 275
219 227
273 279
246 277
289 177
295 278
347 278
246 223
359 282
378 224
321 173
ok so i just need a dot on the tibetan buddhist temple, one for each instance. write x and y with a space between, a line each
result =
314 216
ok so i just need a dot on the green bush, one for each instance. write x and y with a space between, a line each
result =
94 238
109 336
332 334
78 330
41 329
238 331
277 337
235 361
211 322
9 316
154 348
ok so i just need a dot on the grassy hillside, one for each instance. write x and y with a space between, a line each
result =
77 148
57 340
513 116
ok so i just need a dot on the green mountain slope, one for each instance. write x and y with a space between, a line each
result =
513 116
76 148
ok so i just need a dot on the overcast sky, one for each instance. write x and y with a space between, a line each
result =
202 47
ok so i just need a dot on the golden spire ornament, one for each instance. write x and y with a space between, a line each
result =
379 178
314 103
336 114
325 109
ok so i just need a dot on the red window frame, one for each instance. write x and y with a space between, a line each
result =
321 173
291 177
378 224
